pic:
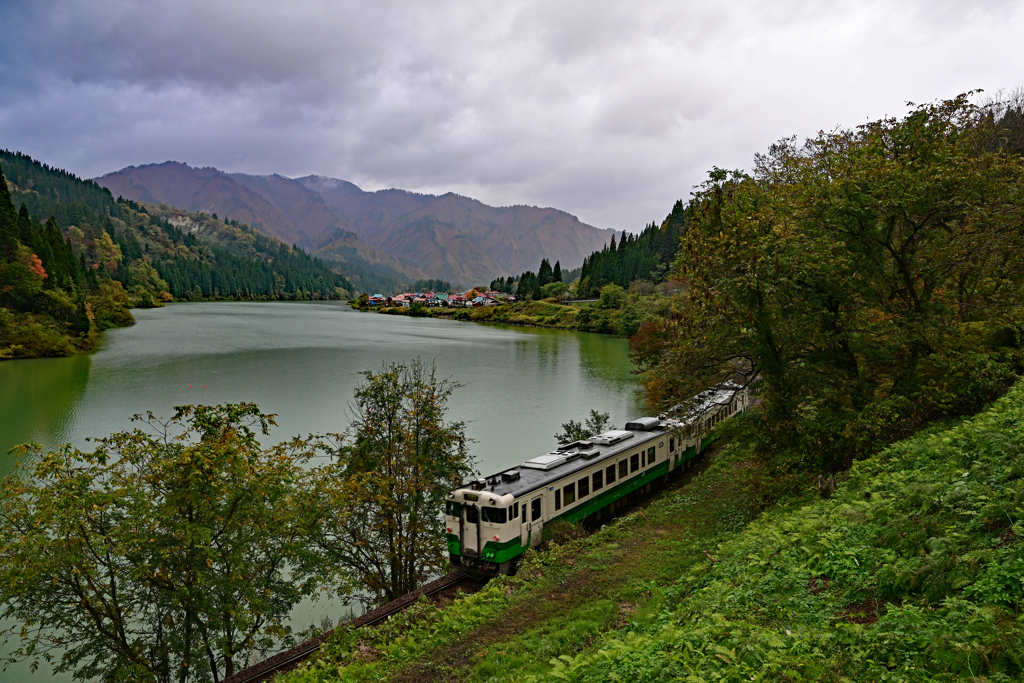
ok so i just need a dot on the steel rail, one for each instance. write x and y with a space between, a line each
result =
289 659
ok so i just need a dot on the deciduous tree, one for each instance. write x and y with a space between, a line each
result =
383 496
169 554
574 431
859 278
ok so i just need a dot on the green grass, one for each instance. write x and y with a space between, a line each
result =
912 571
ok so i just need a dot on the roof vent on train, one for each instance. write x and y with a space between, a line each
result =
545 462
643 424
612 437
511 475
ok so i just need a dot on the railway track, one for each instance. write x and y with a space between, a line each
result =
288 660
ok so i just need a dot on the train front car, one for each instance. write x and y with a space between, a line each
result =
485 526
492 521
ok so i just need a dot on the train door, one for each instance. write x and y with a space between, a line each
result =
470 536
533 521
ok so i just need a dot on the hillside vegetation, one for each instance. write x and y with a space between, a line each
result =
867 281
66 277
912 571
53 301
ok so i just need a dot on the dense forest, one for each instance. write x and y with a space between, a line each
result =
643 257
79 270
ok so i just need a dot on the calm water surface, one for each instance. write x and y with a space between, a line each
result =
302 361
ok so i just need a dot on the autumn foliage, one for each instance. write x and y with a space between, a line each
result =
864 281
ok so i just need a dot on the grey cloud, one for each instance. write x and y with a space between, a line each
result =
605 109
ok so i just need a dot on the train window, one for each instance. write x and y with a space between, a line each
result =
452 509
535 509
672 445
598 480
494 515
609 474
583 487
569 494
650 456
623 470
643 459
558 499
515 510
510 512
471 515
634 462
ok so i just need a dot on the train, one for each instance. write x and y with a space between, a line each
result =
492 521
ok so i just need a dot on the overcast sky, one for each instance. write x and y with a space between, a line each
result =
608 110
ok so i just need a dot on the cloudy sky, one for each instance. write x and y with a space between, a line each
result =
608 110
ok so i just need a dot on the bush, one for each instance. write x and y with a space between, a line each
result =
629 321
31 336
612 297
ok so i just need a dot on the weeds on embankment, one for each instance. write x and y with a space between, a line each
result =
913 570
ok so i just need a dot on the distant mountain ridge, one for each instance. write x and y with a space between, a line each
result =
413 235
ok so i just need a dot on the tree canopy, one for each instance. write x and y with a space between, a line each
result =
166 554
865 280
174 552
595 424
383 495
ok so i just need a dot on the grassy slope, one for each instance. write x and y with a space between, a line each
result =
923 579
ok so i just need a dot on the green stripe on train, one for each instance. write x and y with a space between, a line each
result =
506 550
606 498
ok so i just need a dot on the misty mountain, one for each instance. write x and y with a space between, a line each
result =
457 237
396 233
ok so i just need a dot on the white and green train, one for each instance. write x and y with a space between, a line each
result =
492 521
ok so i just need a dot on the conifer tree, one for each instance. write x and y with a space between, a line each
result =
25 226
8 220
544 273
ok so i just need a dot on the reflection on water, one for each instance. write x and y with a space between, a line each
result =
38 399
302 361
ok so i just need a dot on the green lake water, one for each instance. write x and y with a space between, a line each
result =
301 361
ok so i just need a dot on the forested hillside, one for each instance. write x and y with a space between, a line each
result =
643 257
73 260
52 300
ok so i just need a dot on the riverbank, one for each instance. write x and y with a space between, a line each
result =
911 571
25 336
620 314
67 325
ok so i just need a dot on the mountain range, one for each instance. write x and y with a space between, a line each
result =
408 234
